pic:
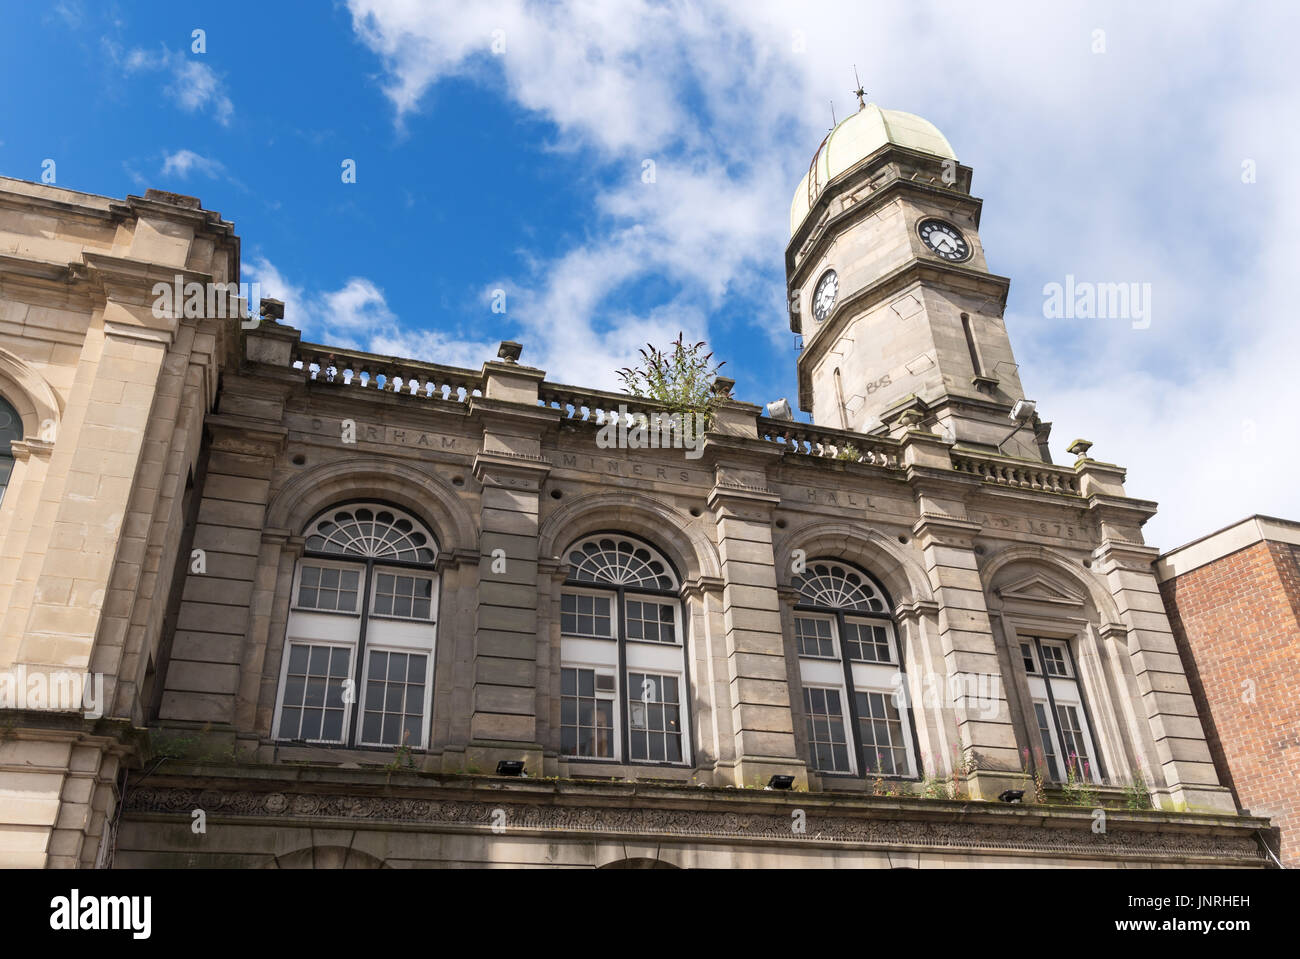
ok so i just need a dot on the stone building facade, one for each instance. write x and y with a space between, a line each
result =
1233 599
327 593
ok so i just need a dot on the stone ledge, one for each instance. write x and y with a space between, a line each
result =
452 803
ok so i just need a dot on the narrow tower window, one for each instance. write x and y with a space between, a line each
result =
975 363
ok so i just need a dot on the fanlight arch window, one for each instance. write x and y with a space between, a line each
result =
833 585
378 533
623 679
11 431
858 721
358 657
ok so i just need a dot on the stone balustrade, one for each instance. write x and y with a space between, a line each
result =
809 440
1019 474
597 407
389 374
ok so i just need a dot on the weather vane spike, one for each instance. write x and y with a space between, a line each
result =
859 92
832 114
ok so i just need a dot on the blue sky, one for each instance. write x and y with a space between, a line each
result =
502 145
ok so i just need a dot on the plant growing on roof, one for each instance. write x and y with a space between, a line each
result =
680 377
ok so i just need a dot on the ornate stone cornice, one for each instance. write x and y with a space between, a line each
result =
511 470
241 434
730 816
944 530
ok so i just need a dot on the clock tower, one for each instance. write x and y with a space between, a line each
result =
901 318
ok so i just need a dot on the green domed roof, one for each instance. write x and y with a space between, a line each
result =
858 137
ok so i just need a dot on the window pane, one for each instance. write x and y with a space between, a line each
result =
315 691
637 742
653 717
586 719
827 743
394 704
411 734
1045 735
880 728
397 666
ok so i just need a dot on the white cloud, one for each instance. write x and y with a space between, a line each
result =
196 87
71 12
183 162
193 84
357 316
1115 166
358 306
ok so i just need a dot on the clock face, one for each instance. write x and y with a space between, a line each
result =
824 295
944 239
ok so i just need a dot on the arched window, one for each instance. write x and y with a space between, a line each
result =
851 668
1060 712
11 430
363 618
623 680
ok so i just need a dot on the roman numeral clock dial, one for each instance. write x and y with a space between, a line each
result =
824 295
944 239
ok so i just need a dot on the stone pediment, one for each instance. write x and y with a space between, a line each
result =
1040 589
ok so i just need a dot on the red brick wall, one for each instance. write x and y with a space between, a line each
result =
1237 624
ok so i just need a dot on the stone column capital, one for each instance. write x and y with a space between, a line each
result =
519 471
23 450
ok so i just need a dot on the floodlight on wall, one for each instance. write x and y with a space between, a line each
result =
780 409
1012 795
779 781
510 767
1022 413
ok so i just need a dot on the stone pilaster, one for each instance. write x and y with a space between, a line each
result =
761 721
946 537
1187 776
510 470
214 635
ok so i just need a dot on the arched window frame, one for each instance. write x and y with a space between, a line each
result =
1058 704
582 650
11 431
873 609
385 625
